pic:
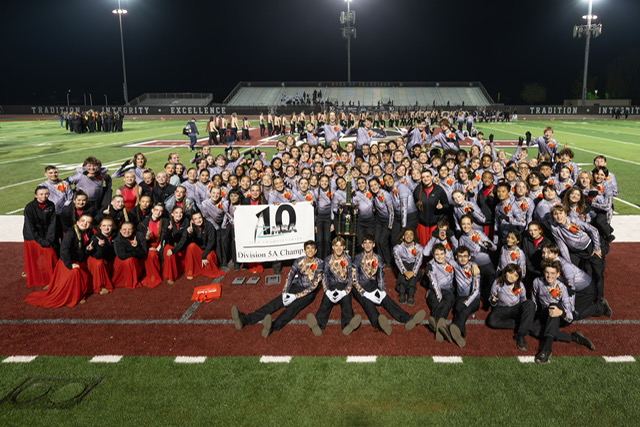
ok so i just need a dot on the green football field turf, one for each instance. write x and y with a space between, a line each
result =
155 391
27 146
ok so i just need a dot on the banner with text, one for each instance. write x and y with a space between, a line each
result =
273 232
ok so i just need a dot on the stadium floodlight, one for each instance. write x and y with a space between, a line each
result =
120 11
589 30
348 19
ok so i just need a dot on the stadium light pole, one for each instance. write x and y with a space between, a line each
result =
120 11
348 19
589 30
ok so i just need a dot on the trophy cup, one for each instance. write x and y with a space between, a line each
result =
348 220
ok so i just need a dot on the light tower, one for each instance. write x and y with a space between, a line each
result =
348 20
120 11
589 30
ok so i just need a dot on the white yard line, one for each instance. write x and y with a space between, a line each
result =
576 148
43 178
30 158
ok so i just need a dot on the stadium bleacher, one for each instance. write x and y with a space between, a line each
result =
173 99
367 94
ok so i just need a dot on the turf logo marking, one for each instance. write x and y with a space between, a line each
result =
526 359
275 359
50 392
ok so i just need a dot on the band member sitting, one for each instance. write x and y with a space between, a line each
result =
371 291
299 291
70 281
338 284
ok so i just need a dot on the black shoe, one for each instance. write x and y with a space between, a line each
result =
267 323
384 324
236 266
521 342
402 298
606 307
354 324
277 271
416 319
411 301
456 335
542 358
237 317
582 340
313 324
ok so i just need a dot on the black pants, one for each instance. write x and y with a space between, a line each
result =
412 224
383 238
585 306
592 264
487 277
461 313
408 286
440 309
213 138
365 226
547 326
387 303
518 318
326 306
223 237
323 235
276 304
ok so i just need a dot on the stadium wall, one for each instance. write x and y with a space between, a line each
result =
523 110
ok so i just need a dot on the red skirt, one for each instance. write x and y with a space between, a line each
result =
39 264
424 233
152 270
173 265
193 263
101 272
126 273
67 287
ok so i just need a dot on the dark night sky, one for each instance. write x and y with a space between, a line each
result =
208 46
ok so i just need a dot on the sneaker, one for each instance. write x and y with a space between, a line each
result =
521 342
416 319
411 301
384 324
542 358
402 298
353 325
237 317
267 323
456 334
313 324
171 282
606 307
236 267
582 340
104 291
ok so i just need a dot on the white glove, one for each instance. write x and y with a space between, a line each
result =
288 298
335 296
376 296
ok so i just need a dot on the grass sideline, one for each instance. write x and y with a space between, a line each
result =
26 147
328 391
